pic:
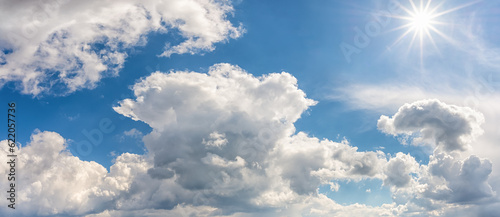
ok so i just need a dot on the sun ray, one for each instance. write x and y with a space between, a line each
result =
433 11
413 5
455 9
422 19
427 5
408 11
420 33
441 34
432 40
400 27
401 37
412 40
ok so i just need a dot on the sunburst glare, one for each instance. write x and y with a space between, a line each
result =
422 22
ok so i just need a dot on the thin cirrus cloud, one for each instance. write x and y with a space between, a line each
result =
263 168
71 45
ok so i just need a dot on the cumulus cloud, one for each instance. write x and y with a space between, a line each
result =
476 92
250 122
459 181
448 127
53 182
61 46
224 144
450 178
203 121
446 184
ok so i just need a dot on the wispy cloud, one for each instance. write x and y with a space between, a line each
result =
133 133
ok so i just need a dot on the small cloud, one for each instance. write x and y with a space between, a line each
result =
334 186
72 118
134 133
368 190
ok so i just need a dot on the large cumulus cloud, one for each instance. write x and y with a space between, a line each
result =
231 135
69 45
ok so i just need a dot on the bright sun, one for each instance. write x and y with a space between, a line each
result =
422 21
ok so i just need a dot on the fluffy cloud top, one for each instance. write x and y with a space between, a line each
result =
69 45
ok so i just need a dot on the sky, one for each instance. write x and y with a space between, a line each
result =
252 108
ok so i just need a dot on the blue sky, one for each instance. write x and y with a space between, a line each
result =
451 78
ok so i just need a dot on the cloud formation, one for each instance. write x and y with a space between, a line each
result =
448 127
53 182
224 144
61 46
228 133
459 181
451 177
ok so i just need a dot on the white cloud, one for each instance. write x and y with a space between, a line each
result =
60 46
462 181
133 133
447 184
447 127
451 177
334 186
480 96
264 168
243 116
253 117
51 181
306 162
